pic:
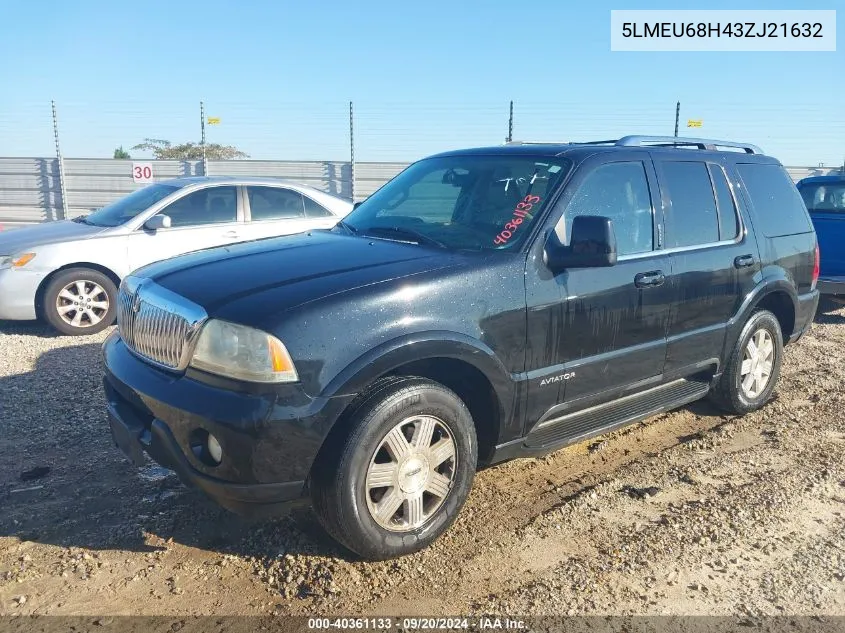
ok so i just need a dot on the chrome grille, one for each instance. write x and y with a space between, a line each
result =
157 324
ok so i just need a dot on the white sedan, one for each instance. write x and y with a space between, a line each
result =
67 272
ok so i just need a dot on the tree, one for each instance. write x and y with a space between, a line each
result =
164 150
121 153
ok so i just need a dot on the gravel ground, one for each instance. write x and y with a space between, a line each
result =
690 512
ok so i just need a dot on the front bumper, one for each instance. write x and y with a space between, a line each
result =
269 439
831 285
17 293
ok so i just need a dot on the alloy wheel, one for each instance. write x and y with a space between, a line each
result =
757 360
411 473
82 303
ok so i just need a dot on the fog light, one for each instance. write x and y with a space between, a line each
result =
215 451
205 447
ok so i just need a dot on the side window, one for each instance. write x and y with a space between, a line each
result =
777 207
212 205
693 219
728 220
315 210
274 203
620 192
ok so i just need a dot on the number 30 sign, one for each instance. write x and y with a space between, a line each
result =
142 172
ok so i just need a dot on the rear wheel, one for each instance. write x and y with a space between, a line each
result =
401 474
80 301
752 371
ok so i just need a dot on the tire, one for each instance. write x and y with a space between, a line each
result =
96 293
731 392
347 499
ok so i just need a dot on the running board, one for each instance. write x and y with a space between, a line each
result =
602 418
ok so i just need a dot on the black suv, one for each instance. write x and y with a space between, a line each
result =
483 305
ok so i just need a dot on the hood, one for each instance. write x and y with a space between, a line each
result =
291 270
17 240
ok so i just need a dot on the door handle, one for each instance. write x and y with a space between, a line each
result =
231 235
649 279
744 261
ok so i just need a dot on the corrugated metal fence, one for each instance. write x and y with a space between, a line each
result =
30 189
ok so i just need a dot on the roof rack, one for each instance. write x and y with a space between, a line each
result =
657 141
538 143
677 141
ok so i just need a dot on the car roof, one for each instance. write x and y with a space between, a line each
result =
185 181
580 151
812 180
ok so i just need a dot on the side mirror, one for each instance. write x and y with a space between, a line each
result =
356 205
157 222
592 245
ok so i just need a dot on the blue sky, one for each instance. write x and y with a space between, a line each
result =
423 76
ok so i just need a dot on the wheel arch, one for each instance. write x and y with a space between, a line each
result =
778 296
42 287
466 366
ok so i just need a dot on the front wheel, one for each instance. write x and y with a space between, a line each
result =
400 474
80 301
753 368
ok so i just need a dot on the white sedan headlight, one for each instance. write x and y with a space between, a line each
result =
242 352
16 261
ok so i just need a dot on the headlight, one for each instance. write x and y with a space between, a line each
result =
242 352
16 261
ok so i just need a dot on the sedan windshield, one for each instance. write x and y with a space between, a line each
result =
463 202
121 211
825 196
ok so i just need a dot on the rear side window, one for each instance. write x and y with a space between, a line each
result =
728 220
693 218
315 210
274 203
777 206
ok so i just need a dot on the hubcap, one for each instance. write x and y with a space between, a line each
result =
82 303
757 360
411 473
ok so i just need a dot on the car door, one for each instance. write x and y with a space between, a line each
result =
203 218
275 210
608 333
714 260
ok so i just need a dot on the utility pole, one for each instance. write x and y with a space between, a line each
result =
60 160
352 153
510 124
677 116
202 141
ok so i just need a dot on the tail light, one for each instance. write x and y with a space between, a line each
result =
816 268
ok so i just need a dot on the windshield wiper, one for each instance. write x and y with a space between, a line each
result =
410 234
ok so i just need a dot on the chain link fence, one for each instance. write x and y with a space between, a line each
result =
345 148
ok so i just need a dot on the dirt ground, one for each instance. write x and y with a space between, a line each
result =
690 512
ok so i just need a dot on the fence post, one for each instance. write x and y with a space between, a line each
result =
202 140
352 152
60 161
677 117
510 124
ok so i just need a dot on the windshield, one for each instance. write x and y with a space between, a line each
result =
123 210
824 196
461 202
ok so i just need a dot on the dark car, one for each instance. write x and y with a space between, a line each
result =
483 305
825 200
